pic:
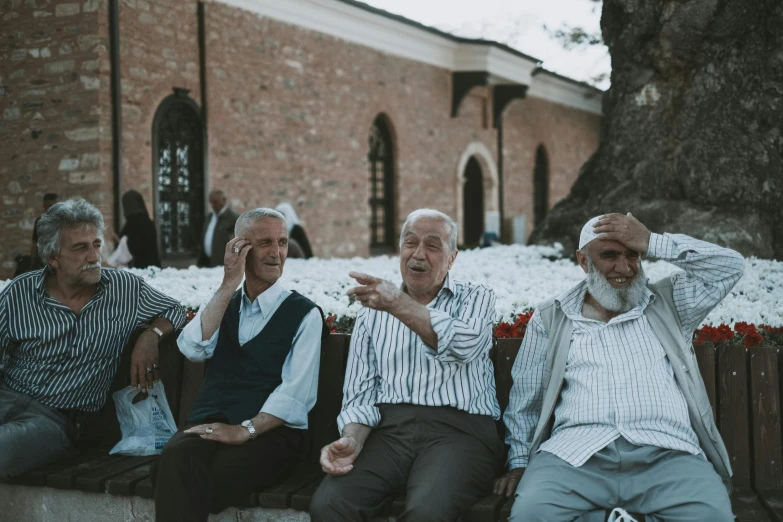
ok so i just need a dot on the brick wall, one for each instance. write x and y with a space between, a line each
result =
290 112
289 115
53 93
569 137
158 51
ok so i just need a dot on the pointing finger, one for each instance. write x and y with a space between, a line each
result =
361 290
364 279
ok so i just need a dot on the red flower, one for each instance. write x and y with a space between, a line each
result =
743 328
709 334
506 330
522 320
750 335
753 339
772 330
330 320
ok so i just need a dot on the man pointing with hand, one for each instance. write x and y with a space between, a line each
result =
419 398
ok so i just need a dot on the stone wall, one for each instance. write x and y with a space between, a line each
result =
53 102
34 504
569 138
158 51
289 113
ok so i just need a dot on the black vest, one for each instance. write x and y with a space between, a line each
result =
239 379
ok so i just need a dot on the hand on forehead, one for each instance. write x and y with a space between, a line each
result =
621 228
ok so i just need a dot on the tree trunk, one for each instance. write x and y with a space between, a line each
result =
691 137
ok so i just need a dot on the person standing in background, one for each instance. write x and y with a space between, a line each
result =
218 230
298 244
140 231
36 263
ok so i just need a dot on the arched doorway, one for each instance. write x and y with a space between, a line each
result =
380 158
178 175
479 153
540 186
473 203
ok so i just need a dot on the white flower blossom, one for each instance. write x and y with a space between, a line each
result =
521 276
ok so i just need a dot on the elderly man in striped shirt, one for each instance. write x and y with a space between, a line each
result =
608 412
419 398
62 331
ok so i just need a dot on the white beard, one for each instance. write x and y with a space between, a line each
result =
618 300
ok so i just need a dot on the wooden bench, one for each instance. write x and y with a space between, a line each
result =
743 385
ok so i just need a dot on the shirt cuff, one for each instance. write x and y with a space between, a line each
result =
190 342
441 325
661 247
367 415
175 315
293 412
517 462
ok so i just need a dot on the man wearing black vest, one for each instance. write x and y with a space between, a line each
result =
262 344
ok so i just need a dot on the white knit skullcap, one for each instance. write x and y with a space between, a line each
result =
587 233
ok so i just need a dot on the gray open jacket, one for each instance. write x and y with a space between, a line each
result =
664 321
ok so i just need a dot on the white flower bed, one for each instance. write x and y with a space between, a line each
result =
520 276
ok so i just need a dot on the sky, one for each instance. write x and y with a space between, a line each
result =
519 24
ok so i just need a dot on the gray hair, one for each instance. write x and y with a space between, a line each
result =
256 214
429 212
73 213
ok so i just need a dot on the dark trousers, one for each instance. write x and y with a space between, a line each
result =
31 434
442 458
194 477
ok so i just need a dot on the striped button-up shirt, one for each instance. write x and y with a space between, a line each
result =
389 364
68 360
618 380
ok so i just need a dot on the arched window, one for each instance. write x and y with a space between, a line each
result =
473 203
381 163
540 186
178 175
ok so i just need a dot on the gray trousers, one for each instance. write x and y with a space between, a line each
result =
31 434
443 459
663 485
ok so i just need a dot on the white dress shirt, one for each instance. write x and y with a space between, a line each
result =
296 395
388 363
618 380
210 233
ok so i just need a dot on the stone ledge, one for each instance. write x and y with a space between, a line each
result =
35 504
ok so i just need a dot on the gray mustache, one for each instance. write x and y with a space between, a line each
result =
91 266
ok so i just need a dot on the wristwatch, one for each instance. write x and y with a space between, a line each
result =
155 329
252 429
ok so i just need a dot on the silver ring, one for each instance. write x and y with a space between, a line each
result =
235 250
155 366
149 370
208 430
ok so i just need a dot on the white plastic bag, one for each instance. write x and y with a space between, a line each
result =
147 425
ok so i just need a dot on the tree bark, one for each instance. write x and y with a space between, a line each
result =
691 136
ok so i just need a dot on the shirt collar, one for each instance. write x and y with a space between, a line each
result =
571 301
41 284
448 284
265 301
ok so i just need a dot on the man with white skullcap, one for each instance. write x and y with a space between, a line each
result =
608 412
